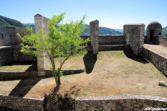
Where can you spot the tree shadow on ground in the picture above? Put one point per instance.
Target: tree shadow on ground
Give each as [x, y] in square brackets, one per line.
[129, 54]
[89, 61]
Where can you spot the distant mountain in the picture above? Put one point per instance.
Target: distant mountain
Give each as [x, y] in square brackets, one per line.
[30, 25]
[8, 22]
[119, 30]
[102, 30]
[164, 32]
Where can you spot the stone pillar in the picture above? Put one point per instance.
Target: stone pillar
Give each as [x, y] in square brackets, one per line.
[94, 34]
[41, 22]
[134, 37]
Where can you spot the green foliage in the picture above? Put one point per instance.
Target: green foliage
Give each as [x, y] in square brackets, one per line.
[62, 40]
[7, 22]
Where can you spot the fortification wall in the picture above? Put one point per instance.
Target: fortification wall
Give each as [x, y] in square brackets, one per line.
[134, 37]
[66, 103]
[21, 104]
[120, 103]
[163, 41]
[6, 53]
[10, 54]
[7, 36]
[157, 60]
[109, 39]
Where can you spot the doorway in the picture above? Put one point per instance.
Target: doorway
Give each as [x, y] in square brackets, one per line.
[151, 35]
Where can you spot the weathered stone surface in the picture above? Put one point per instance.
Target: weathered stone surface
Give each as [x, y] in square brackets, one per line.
[111, 40]
[154, 31]
[163, 83]
[160, 62]
[11, 54]
[21, 104]
[119, 103]
[41, 22]
[56, 102]
[7, 36]
[134, 37]
[94, 34]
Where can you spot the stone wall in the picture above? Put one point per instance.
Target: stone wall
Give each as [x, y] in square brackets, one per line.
[6, 55]
[160, 62]
[41, 22]
[10, 54]
[94, 34]
[134, 37]
[163, 41]
[108, 40]
[7, 36]
[119, 103]
[66, 103]
[19, 57]
[21, 104]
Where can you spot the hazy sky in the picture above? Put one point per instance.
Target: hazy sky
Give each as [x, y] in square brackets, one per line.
[110, 13]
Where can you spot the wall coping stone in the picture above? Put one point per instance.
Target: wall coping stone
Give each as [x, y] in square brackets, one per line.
[139, 97]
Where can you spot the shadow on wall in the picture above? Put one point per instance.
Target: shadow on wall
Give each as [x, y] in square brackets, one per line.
[128, 52]
[89, 61]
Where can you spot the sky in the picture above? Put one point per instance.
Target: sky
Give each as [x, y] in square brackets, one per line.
[110, 13]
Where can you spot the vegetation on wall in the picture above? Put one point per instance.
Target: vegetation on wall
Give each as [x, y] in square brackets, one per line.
[7, 22]
[61, 41]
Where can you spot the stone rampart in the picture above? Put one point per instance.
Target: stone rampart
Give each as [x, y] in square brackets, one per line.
[10, 54]
[134, 37]
[21, 104]
[120, 103]
[160, 62]
[111, 40]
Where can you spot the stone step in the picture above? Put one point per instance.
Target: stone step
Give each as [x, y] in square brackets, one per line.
[111, 47]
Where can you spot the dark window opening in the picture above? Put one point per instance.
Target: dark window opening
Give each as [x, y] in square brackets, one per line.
[160, 33]
[2, 35]
[151, 35]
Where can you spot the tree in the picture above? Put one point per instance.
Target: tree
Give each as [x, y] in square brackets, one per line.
[62, 40]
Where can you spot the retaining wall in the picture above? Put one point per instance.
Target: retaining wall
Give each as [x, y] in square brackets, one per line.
[21, 104]
[119, 103]
[107, 39]
[160, 62]
[66, 103]
[10, 54]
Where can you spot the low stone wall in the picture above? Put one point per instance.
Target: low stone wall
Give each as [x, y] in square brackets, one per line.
[22, 58]
[120, 103]
[160, 62]
[6, 53]
[66, 103]
[108, 40]
[163, 41]
[4, 76]
[21, 104]
[10, 54]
